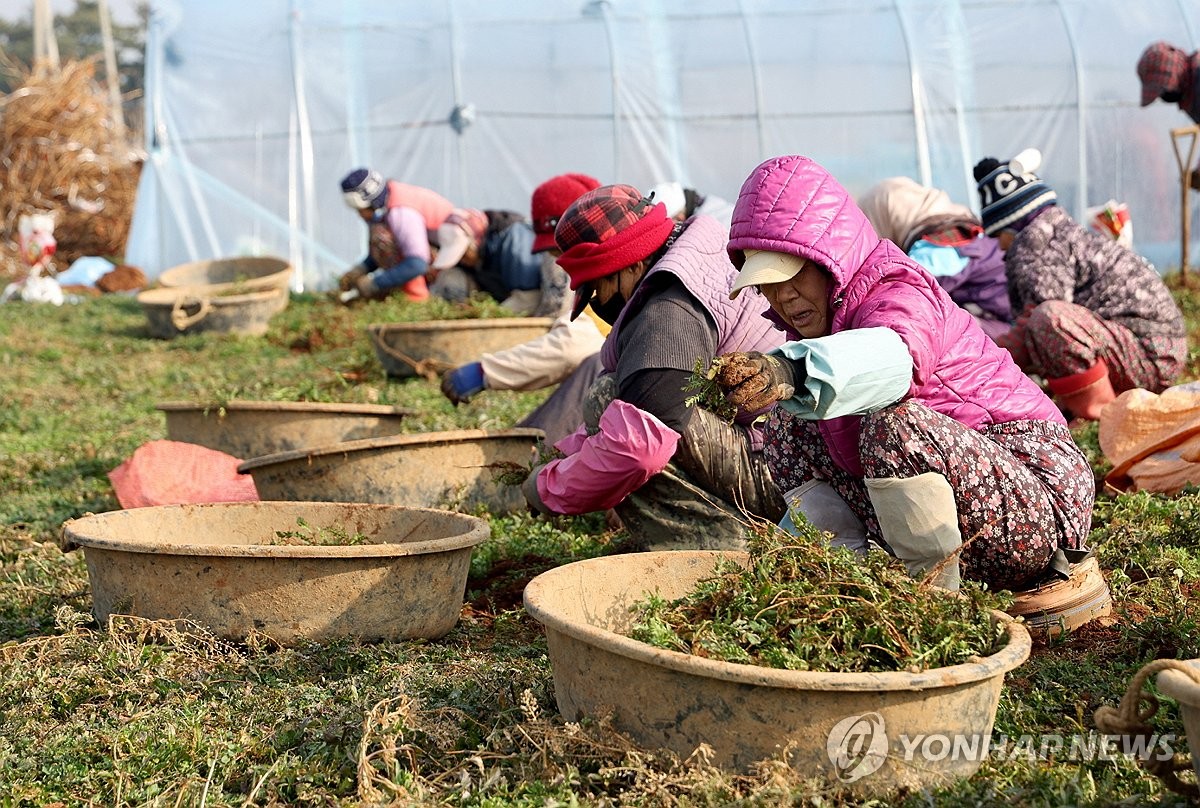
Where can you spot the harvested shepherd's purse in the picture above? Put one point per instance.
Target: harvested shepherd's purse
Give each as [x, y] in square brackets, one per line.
[801, 604]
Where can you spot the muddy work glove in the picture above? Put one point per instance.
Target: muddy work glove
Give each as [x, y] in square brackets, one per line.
[367, 288]
[532, 496]
[460, 384]
[754, 380]
[349, 278]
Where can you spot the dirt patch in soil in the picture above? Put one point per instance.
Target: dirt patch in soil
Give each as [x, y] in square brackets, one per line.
[502, 587]
[1104, 637]
[327, 329]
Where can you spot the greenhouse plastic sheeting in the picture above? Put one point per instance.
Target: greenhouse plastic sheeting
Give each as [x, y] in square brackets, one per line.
[255, 110]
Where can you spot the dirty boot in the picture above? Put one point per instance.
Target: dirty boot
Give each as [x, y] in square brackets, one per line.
[919, 520]
[825, 510]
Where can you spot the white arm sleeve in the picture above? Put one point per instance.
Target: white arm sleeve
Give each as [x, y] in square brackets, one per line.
[849, 373]
[545, 360]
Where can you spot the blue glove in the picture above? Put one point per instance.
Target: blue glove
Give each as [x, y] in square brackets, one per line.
[460, 384]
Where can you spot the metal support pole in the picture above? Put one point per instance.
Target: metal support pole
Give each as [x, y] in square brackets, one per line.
[1185, 184]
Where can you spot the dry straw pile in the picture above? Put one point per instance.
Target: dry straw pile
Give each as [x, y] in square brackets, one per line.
[59, 153]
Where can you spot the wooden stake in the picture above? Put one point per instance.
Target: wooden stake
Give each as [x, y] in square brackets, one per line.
[1185, 184]
[110, 71]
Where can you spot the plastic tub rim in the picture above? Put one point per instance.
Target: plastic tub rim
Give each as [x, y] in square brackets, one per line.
[1014, 652]
[476, 531]
[465, 322]
[392, 441]
[247, 405]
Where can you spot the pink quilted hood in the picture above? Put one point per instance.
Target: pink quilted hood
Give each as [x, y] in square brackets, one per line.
[792, 205]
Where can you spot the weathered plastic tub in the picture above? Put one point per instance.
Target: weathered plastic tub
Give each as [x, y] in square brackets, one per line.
[248, 429]
[1185, 690]
[430, 347]
[213, 565]
[431, 470]
[171, 312]
[748, 713]
[224, 276]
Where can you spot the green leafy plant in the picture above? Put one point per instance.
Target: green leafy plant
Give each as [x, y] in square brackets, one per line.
[477, 307]
[314, 535]
[802, 604]
[706, 393]
[509, 472]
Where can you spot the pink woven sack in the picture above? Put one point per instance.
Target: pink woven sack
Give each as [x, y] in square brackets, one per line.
[168, 472]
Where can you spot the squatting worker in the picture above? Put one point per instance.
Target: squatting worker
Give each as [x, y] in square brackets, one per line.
[401, 222]
[567, 355]
[1169, 73]
[1094, 317]
[487, 251]
[677, 476]
[948, 240]
[898, 419]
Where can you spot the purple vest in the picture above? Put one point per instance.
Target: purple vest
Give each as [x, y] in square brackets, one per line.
[699, 260]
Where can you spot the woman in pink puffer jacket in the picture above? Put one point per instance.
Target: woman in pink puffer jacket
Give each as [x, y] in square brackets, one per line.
[899, 420]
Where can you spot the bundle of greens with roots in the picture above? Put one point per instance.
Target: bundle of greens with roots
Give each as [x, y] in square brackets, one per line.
[802, 604]
[706, 393]
[508, 472]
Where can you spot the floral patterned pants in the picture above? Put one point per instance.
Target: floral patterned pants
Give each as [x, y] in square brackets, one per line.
[1023, 488]
[1063, 339]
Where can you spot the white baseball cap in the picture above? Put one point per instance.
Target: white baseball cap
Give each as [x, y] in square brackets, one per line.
[453, 241]
[763, 266]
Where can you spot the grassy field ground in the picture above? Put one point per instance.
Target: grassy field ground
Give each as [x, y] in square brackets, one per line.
[137, 713]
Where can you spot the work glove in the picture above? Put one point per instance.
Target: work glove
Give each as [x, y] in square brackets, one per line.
[754, 381]
[532, 495]
[368, 289]
[460, 384]
[350, 277]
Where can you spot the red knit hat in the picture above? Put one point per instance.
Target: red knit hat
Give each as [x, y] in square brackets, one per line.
[549, 201]
[607, 229]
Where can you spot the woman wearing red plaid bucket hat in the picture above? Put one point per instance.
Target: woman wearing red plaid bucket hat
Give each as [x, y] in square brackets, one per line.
[1168, 73]
[677, 476]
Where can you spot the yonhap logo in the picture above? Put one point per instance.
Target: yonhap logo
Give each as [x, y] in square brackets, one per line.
[857, 746]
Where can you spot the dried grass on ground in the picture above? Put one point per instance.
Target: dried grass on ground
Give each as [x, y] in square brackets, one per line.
[60, 153]
[131, 712]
